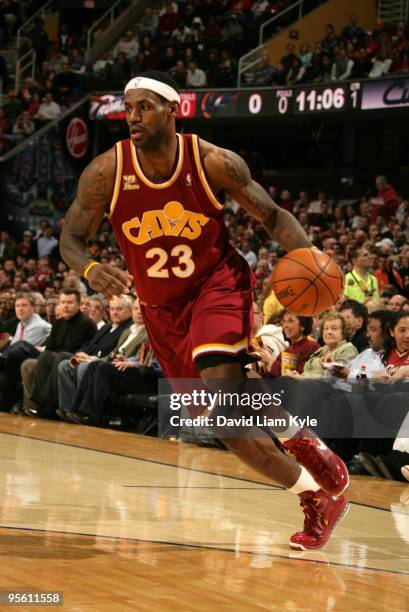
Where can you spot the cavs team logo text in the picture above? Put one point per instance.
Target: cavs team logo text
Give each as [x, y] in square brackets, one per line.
[173, 220]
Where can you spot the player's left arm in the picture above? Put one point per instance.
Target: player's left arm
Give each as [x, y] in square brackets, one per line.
[228, 172]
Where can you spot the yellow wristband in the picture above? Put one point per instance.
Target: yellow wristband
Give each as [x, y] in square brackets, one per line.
[88, 268]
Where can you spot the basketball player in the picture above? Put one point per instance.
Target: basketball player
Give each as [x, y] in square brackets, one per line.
[162, 193]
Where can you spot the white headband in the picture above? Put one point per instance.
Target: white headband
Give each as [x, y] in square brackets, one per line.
[166, 91]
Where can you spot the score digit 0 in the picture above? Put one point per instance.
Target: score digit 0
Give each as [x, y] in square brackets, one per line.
[282, 104]
[255, 103]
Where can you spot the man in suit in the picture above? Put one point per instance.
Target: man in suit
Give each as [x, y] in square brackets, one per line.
[40, 379]
[67, 334]
[85, 400]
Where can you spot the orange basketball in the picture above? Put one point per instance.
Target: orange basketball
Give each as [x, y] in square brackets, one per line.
[307, 281]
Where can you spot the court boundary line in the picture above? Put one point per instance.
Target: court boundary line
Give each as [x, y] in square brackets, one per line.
[272, 486]
[207, 547]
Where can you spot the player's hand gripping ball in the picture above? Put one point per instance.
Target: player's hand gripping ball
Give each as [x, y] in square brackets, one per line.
[307, 281]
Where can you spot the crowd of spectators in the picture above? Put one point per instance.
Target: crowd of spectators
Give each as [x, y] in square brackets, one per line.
[57, 338]
[352, 53]
[199, 44]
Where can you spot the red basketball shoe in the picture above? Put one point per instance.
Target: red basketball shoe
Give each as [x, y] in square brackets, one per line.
[322, 514]
[327, 469]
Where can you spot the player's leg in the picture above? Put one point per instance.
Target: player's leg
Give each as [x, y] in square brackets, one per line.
[322, 511]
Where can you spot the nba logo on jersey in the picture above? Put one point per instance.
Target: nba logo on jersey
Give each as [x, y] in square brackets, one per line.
[130, 182]
[188, 180]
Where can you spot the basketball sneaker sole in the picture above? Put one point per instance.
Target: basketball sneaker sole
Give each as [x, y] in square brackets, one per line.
[341, 517]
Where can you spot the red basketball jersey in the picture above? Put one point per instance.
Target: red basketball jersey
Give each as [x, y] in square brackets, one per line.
[171, 234]
[397, 360]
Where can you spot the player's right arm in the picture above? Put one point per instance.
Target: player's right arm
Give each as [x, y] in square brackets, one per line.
[82, 220]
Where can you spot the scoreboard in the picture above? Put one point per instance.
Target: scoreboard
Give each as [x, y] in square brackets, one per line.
[337, 97]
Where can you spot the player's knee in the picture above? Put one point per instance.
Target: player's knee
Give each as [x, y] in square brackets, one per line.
[231, 372]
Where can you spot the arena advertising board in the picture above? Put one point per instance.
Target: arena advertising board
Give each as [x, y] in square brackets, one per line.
[338, 97]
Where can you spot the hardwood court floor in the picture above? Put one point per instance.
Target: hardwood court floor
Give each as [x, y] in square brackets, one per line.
[122, 522]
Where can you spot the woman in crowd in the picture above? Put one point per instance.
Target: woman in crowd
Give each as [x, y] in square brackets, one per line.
[296, 330]
[335, 333]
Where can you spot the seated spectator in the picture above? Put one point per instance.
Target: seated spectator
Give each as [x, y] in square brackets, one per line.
[362, 65]
[51, 312]
[48, 110]
[97, 310]
[387, 273]
[267, 340]
[342, 67]
[149, 23]
[40, 377]
[85, 304]
[169, 60]
[296, 73]
[296, 331]
[31, 333]
[8, 246]
[356, 315]
[305, 54]
[331, 40]
[31, 327]
[100, 66]
[372, 358]
[227, 68]
[34, 105]
[12, 108]
[47, 243]
[381, 64]
[119, 71]
[396, 303]
[23, 127]
[124, 374]
[264, 75]
[196, 77]
[259, 9]
[44, 273]
[387, 200]
[57, 61]
[179, 73]
[288, 59]
[129, 45]
[359, 284]
[335, 333]
[168, 22]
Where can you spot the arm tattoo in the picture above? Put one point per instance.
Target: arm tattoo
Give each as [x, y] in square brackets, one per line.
[92, 187]
[85, 214]
[236, 168]
[279, 223]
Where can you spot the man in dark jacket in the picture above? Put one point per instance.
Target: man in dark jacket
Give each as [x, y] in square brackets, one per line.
[357, 316]
[68, 333]
[40, 377]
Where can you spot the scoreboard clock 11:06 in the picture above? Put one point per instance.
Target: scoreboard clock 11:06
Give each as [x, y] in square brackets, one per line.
[319, 98]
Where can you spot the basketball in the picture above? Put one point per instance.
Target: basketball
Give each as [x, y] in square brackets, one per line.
[307, 281]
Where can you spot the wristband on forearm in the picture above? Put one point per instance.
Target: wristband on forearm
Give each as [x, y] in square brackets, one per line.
[88, 267]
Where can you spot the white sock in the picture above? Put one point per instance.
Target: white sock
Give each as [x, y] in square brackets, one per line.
[305, 482]
[288, 433]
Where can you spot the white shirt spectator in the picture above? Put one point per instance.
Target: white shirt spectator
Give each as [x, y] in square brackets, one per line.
[49, 110]
[380, 68]
[128, 45]
[196, 77]
[100, 64]
[35, 331]
[250, 257]
[45, 245]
